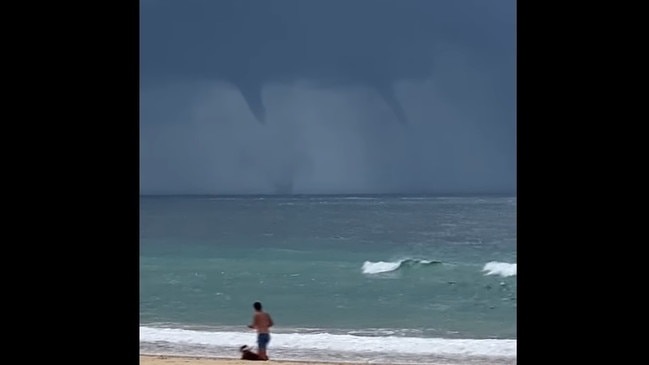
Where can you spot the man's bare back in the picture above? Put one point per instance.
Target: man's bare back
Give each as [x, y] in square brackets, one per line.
[261, 322]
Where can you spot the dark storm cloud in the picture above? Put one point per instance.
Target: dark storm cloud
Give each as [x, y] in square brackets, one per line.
[354, 95]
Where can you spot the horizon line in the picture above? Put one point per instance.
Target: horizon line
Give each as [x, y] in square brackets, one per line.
[440, 194]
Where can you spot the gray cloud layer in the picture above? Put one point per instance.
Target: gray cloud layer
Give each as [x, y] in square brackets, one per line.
[360, 96]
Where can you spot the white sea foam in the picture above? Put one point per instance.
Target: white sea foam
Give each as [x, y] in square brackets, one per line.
[301, 342]
[503, 269]
[370, 267]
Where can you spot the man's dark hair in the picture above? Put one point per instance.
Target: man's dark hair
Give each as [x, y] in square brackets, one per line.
[257, 306]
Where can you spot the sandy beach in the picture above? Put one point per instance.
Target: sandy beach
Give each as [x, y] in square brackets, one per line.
[182, 360]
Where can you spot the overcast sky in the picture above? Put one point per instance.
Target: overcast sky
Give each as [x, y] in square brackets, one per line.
[327, 96]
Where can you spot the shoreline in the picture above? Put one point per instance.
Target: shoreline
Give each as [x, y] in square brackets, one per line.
[149, 359]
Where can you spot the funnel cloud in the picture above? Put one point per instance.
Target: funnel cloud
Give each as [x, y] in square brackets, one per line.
[327, 96]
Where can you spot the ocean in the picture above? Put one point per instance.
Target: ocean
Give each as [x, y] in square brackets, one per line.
[376, 279]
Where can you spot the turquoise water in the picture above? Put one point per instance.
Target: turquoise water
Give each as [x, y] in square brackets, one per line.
[357, 270]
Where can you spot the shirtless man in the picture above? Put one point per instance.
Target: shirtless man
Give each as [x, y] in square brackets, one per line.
[262, 322]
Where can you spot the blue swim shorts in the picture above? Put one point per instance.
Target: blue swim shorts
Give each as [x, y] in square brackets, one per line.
[262, 340]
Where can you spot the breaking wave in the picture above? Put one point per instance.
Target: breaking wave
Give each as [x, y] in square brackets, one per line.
[370, 267]
[503, 269]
